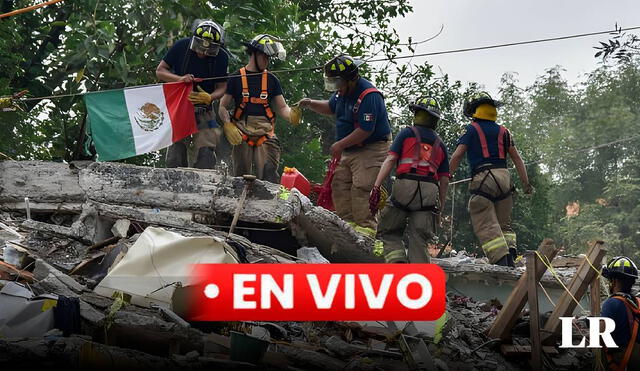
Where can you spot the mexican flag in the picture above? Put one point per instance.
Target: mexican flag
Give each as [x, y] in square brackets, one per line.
[129, 122]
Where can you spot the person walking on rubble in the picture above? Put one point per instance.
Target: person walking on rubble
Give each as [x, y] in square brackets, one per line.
[624, 309]
[420, 188]
[487, 145]
[257, 96]
[363, 137]
[201, 56]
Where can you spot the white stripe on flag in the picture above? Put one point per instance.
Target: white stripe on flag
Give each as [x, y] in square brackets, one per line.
[151, 128]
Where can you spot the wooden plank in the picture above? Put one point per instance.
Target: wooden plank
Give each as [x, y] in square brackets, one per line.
[577, 288]
[594, 293]
[10, 269]
[534, 314]
[510, 312]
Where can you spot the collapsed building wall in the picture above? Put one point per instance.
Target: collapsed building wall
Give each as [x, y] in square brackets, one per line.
[78, 207]
[189, 199]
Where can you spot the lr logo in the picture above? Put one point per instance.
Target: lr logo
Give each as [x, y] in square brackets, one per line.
[594, 333]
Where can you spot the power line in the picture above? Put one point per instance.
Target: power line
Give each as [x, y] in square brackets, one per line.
[508, 44]
[372, 60]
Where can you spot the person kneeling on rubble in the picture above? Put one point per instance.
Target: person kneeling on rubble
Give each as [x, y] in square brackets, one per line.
[487, 145]
[624, 309]
[420, 188]
[257, 94]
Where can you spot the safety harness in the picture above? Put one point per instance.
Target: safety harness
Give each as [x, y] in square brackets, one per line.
[421, 157]
[633, 316]
[356, 106]
[420, 160]
[502, 154]
[261, 99]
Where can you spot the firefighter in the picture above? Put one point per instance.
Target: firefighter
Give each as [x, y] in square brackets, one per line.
[257, 97]
[363, 137]
[487, 146]
[201, 56]
[420, 188]
[624, 309]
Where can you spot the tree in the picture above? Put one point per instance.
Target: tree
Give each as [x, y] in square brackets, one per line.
[74, 47]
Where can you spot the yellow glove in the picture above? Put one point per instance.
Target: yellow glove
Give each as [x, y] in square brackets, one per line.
[200, 97]
[6, 102]
[295, 116]
[232, 133]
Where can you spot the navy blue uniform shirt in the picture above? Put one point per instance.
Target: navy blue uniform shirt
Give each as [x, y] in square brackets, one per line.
[254, 81]
[474, 149]
[183, 60]
[372, 115]
[616, 310]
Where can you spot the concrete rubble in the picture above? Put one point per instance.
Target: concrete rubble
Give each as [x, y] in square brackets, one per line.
[85, 217]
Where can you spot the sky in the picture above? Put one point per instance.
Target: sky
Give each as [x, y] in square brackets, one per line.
[472, 23]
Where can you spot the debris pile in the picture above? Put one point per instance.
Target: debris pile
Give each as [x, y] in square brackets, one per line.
[60, 305]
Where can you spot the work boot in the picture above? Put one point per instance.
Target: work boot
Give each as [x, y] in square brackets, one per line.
[506, 261]
[206, 158]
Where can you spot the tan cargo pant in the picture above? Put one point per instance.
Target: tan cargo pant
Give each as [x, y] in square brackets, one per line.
[353, 180]
[419, 225]
[262, 160]
[492, 220]
[204, 142]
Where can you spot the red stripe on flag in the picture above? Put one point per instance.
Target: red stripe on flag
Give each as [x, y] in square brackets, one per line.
[182, 114]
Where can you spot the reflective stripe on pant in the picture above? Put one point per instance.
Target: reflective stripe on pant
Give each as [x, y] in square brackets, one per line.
[353, 180]
[206, 137]
[262, 161]
[418, 225]
[491, 220]
[510, 237]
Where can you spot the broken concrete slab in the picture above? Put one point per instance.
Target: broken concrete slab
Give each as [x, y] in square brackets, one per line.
[183, 190]
[121, 228]
[311, 255]
[52, 280]
[50, 182]
[346, 350]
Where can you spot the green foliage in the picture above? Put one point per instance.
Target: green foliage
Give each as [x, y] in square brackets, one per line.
[73, 47]
[78, 46]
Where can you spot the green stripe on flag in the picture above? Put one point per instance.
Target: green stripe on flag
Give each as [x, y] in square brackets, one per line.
[110, 125]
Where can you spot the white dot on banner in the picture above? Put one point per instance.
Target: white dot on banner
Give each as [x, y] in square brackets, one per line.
[211, 291]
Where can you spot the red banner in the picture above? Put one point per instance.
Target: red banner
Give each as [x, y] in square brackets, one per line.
[317, 292]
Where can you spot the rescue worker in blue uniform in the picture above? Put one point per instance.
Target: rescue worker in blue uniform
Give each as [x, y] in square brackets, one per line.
[363, 137]
[624, 309]
[487, 146]
[419, 190]
[257, 96]
[201, 56]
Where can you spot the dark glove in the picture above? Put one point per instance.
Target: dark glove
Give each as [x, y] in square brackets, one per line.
[374, 200]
